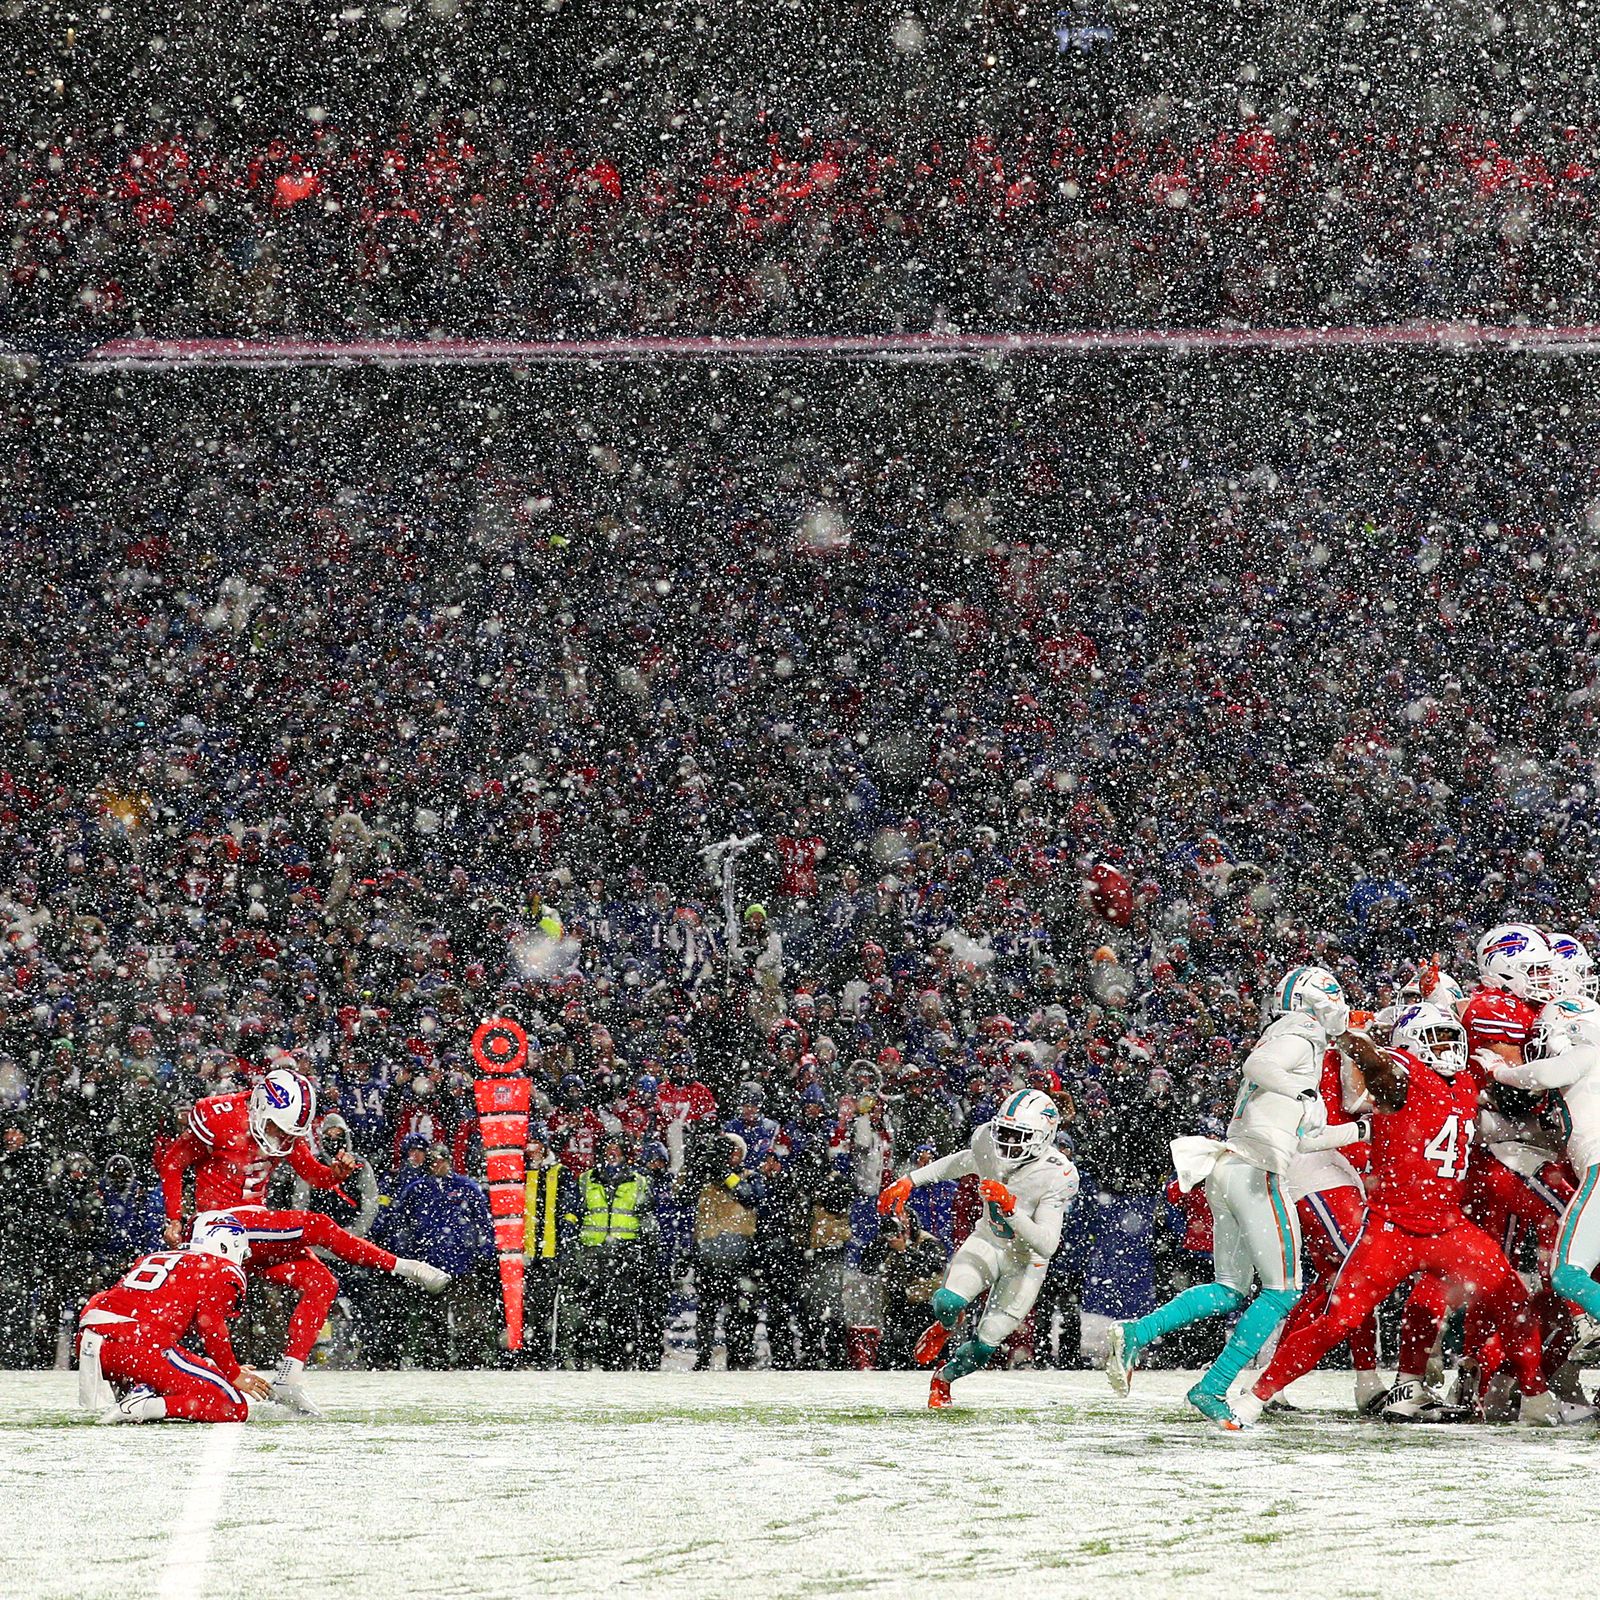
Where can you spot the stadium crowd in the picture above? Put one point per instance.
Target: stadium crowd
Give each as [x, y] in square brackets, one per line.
[328, 734]
[767, 223]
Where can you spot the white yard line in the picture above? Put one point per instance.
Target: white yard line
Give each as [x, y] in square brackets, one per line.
[184, 1575]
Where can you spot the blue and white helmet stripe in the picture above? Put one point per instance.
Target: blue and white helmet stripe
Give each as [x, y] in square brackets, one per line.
[1575, 968]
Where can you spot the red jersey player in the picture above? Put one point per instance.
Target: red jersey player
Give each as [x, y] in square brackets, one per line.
[1425, 1106]
[1518, 973]
[131, 1335]
[234, 1142]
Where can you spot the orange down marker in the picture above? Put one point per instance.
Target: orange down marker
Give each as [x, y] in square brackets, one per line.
[500, 1047]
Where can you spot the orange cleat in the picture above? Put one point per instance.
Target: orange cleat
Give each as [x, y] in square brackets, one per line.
[930, 1346]
[939, 1394]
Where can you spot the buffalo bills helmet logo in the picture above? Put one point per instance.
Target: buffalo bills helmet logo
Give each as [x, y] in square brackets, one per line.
[277, 1095]
[1564, 945]
[1510, 943]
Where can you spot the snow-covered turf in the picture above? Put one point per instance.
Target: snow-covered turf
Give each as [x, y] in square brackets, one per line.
[772, 1484]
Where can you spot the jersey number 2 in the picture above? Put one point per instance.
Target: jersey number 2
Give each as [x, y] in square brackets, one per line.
[153, 1271]
[1450, 1149]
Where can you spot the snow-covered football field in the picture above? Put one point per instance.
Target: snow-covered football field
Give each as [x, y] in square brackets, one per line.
[772, 1484]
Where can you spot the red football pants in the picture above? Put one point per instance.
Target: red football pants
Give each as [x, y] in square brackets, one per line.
[280, 1252]
[1498, 1199]
[1381, 1260]
[1502, 1203]
[193, 1387]
[1329, 1223]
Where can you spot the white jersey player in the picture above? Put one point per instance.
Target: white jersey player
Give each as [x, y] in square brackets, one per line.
[1564, 1055]
[1027, 1187]
[1255, 1227]
[1330, 1200]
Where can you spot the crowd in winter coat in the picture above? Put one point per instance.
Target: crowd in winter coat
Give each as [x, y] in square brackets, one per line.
[776, 225]
[319, 762]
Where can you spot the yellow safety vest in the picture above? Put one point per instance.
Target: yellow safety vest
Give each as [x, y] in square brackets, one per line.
[616, 1222]
[539, 1220]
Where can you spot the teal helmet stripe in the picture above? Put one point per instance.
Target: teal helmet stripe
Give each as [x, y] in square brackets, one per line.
[1288, 992]
[1011, 1110]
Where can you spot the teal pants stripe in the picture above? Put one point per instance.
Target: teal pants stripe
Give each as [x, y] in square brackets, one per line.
[1195, 1304]
[1575, 1213]
[1574, 1260]
[1291, 1262]
[1574, 1284]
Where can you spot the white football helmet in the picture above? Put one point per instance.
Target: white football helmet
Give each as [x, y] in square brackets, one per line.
[220, 1233]
[1316, 992]
[1446, 993]
[1570, 1023]
[282, 1106]
[1575, 973]
[1431, 1035]
[1515, 956]
[1024, 1126]
[1382, 1024]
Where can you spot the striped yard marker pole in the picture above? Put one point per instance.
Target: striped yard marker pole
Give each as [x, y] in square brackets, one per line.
[500, 1047]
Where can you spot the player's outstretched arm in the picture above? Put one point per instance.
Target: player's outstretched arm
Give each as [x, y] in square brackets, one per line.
[184, 1152]
[958, 1164]
[1554, 1072]
[1384, 1077]
[320, 1174]
[1333, 1136]
[216, 1308]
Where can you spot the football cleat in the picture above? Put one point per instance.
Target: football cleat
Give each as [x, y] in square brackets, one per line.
[1586, 1351]
[1246, 1409]
[1371, 1394]
[426, 1276]
[931, 1345]
[140, 1404]
[1119, 1360]
[1277, 1406]
[289, 1390]
[1566, 1383]
[1500, 1398]
[1546, 1411]
[1214, 1407]
[1466, 1393]
[939, 1397]
[1411, 1400]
